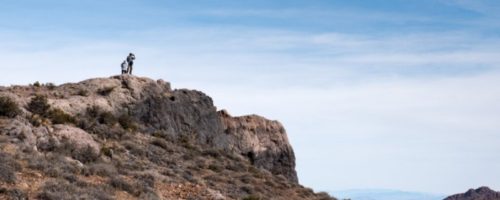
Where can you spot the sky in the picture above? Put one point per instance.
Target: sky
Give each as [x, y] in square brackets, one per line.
[390, 94]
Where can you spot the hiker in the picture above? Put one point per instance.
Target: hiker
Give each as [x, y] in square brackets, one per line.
[124, 67]
[130, 61]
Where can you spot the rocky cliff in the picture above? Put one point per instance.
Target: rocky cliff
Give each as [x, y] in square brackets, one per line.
[127, 137]
[482, 193]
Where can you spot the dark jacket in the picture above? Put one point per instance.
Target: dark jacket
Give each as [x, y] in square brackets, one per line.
[130, 58]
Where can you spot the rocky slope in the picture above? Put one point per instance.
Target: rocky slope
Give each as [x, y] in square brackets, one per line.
[482, 193]
[127, 137]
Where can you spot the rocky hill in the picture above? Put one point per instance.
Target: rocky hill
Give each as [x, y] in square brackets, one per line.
[127, 137]
[482, 193]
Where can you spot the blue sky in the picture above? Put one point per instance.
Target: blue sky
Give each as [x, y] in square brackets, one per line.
[374, 94]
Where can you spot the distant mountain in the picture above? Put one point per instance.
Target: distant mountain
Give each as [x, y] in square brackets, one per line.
[383, 194]
[482, 193]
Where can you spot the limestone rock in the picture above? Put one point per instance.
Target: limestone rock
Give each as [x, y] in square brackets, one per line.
[77, 137]
[159, 110]
[264, 142]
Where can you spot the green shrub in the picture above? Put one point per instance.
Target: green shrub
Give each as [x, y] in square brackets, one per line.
[57, 116]
[50, 86]
[39, 105]
[9, 107]
[37, 84]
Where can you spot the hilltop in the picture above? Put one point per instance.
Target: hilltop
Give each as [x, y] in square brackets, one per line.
[128, 137]
[482, 193]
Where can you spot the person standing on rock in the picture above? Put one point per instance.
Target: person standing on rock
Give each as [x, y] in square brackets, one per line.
[124, 67]
[130, 61]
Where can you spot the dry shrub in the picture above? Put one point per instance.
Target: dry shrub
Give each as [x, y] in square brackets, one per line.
[39, 105]
[121, 184]
[50, 86]
[13, 194]
[82, 92]
[53, 165]
[107, 118]
[127, 122]
[160, 143]
[9, 107]
[85, 155]
[8, 168]
[103, 169]
[251, 197]
[57, 116]
[60, 189]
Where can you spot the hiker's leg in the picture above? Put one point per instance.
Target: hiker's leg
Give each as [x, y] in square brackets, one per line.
[131, 66]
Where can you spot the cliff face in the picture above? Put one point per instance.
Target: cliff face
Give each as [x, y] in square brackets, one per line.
[482, 193]
[262, 141]
[119, 122]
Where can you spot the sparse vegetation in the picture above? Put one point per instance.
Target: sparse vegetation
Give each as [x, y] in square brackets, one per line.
[8, 107]
[37, 84]
[53, 165]
[13, 194]
[82, 92]
[86, 155]
[127, 122]
[62, 189]
[57, 116]
[121, 184]
[215, 167]
[160, 143]
[107, 151]
[94, 111]
[252, 197]
[39, 105]
[8, 168]
[103, 169]
[50, 86]
[107, 118]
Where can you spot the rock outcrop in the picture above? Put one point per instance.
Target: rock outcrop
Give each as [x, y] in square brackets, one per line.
[482, 193]
[264, 142]
[147, 127]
